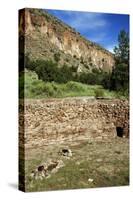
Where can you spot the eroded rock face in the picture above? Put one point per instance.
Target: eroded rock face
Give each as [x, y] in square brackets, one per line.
[59, 120]
[46, 36]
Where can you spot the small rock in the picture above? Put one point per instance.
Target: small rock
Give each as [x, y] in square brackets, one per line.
[90, 180]
[60, 164]
[99, 160]
[32, 174]
[118, 152]
[77, 163]
[40, 168]
[66, 152]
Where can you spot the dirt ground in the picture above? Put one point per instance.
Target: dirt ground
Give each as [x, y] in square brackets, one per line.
[93, 164]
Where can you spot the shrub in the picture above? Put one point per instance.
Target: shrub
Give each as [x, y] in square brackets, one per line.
[57, 57]
[57, 89]
[46, 70]
[88, 78]
[74, 86]
[99, 93]
[65, 74]
[37, 88]
[48, 90]
[49, 71]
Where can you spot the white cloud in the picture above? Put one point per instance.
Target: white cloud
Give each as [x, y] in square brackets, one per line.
[98, 37]
[87, 21]
[110, 48]
[82, 20]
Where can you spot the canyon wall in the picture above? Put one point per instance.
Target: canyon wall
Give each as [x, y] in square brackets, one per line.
[45, 122]
[47, 36]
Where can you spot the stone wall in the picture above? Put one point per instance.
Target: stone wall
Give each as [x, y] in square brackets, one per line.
[59, 120]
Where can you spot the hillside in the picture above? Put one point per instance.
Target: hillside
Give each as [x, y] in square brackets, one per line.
[38, 89]
[48, 38]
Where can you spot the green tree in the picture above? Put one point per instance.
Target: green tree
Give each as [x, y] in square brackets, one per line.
[120, 74]
[122, 50]
[46, 70]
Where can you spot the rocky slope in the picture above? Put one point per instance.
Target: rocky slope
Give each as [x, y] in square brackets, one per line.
[47, 37]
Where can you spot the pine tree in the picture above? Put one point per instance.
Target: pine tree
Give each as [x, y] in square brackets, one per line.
[120, 73]
[122, 50]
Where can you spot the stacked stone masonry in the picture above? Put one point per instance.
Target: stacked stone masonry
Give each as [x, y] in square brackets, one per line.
[45, 122]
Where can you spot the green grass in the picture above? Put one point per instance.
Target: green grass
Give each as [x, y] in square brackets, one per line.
[97, 160]
[35, 88]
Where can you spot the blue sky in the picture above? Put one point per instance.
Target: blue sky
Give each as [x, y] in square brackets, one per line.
[101, 28]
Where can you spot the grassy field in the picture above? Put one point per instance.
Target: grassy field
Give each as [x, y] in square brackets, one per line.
[35, 88]
[104, 162]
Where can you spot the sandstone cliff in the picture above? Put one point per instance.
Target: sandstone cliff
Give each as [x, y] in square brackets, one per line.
[47, 37]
